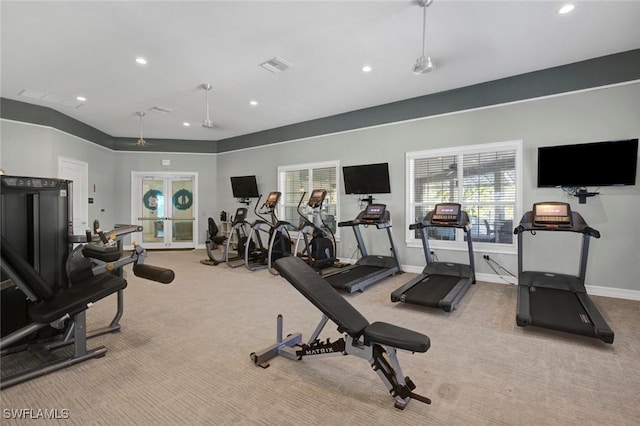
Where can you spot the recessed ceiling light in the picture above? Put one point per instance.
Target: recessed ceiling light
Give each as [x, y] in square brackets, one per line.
[185, 124]
[141, 60]
[253, 103]
[81, 98]
[366, 68]
[566, 9]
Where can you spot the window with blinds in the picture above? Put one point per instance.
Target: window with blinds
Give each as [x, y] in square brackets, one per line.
[294, 181]
[483, 178]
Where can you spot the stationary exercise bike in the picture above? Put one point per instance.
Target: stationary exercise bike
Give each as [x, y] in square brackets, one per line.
[319, 242]
[228, 248]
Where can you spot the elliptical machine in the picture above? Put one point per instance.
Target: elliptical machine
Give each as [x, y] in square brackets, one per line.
[319, 241]
[262, 256]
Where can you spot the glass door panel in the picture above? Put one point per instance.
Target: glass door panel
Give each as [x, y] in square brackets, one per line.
[152, 214]
[182, 211]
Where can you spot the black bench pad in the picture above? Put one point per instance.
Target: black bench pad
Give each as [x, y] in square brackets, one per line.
[398, 337]
[101, 252]
[319, 292]
[76, 298]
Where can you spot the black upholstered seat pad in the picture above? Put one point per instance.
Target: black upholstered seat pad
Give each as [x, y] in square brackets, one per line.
[76, 298]
[398, 337]
[319, 292]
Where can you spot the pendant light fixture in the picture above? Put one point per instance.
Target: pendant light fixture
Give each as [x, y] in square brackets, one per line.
[423, 63]
[141, 141]
[207, 121]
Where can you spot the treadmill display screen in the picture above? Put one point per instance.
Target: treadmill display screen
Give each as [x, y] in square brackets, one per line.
[374, 213]
[446, 213]
[552, 214]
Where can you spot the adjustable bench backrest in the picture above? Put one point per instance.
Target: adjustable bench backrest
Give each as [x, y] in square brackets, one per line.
[319, 292]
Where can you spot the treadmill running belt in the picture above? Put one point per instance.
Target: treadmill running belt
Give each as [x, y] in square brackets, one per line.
[350, 275]
[559, 310]
[431, 290]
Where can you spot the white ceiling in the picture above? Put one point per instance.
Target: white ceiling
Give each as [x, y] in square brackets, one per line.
[88, 48]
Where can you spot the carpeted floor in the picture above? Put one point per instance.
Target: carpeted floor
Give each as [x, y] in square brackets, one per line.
[182, 357]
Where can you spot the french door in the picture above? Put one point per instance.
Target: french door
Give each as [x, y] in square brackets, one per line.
[164, 204]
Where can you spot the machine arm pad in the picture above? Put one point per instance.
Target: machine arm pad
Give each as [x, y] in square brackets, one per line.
[154, 273]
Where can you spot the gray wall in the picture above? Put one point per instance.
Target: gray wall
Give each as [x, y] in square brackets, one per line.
[600, 114]
[595, 115]
[32, 150]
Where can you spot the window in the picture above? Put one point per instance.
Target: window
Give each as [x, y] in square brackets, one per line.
[296, 179]
[484, 179]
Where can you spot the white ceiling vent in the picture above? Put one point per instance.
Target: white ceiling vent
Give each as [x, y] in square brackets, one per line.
[163, 110]
[32, 94]
[276, 65]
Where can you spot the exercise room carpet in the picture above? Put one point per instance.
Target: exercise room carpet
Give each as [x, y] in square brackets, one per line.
[182, 357]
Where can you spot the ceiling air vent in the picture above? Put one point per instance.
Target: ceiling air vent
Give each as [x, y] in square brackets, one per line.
[44, 97]
[276, 65]
[163, 110]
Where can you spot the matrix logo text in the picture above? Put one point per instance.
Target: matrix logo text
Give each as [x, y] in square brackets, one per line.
[33, 414]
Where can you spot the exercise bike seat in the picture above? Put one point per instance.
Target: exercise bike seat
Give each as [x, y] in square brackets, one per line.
[348, 319]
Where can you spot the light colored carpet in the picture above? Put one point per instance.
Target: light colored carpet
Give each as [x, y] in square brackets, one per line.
[182, 357]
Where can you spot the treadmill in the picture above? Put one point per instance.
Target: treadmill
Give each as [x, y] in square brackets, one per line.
[369, 269]
[441, 284]
[552, 300]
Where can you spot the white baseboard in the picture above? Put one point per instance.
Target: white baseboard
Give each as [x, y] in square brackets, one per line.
[618, 293]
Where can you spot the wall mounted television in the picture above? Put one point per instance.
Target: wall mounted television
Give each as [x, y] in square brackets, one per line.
[244, 187]
[367, 179]
[606, 163]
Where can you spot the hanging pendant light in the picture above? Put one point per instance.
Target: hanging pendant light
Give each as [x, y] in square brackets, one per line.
[141, 141]
[423, 63]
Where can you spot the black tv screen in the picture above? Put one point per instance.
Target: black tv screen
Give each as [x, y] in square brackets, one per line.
[244, 187]
[588, 164]
[367, 179]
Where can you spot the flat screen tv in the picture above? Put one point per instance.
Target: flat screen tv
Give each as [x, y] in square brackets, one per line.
[244, 187]
[367, 179]
[589, 164]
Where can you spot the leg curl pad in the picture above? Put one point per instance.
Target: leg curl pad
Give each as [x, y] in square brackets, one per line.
[154, 273]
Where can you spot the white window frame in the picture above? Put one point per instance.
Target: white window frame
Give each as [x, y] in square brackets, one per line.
[459, 243]
[309, 167]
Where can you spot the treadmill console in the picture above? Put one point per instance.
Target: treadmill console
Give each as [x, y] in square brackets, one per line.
[272, 200]
[552, 214]
[374, 213]
[317, 198]
[447, 213]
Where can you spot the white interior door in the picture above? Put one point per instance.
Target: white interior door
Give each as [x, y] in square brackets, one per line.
[78, 172]
[164, 204]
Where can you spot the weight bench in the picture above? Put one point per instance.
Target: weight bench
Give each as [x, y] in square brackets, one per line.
[377, 342]
[54, 309]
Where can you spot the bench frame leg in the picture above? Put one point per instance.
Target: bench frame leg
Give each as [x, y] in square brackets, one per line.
[382, 358]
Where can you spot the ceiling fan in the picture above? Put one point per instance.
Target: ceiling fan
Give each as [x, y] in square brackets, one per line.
[207, 120]
[423, 63]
